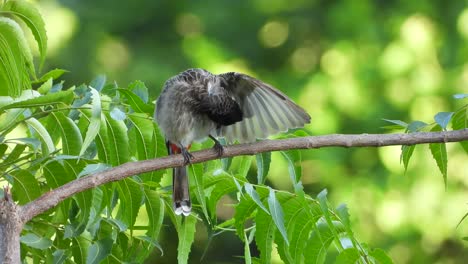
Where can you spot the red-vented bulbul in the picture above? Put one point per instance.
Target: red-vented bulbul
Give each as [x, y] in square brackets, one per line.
[197, 104]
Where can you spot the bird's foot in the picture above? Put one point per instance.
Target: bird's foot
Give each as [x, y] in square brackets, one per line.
[218, 147]
[187, 156]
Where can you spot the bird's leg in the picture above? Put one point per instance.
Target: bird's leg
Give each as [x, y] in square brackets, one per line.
[187, 155]
[217, 146]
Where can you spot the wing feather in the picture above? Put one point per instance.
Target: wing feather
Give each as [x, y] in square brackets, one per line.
[266, 110]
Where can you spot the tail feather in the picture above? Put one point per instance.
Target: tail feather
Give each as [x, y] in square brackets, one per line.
[180, 191]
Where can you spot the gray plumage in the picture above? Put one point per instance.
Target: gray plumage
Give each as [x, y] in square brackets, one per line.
[196, 104]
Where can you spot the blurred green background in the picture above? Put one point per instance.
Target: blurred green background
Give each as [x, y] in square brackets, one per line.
[348, 63]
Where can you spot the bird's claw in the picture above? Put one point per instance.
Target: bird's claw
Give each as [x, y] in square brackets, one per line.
[218, 148]
[187, 156]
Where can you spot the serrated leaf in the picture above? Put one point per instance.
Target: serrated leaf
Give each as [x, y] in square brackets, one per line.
[16, 61]
[186, 233]
[25, 186]
[264, 236]
[117, 112]
[399, 123]
[70, 134]
[118, 147]
[247, 255]
[34, 241]
[196, 175]
[348, 256]
[155, 209]
[406, 153]
[33, 19]
[95, 121]
[60, 256]
[243, 211]
[130, 195]
[223, 184]
[92, 169]
[137, 104]
[99, 251]
[64, 97]
[45, 87]
[342, 212]
[460, 96]
[254, 195]
[263, 166]
[416, 126]
[50, 75]
[293, 157]
[460, 121]
[276, 212]
[380, 256]
[323, 201]
[439, 153]
[319, 242]
[80, 247]
[139, 88]
[98, 82]
[443, 118]
[47, 143]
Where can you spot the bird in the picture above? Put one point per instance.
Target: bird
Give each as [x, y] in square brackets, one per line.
[196, 104]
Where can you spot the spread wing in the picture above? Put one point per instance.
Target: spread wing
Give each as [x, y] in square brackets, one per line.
[266, 110]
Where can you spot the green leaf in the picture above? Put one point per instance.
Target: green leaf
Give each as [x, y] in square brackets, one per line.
[80, 247]
[62, 97]
[118, 148]
[196, 173]
[416, 126]
[53, 74]
[319, 242]
[16, 61]
[460, 96]
[136, 102]
[277, 214]
[460, 121]
[300, 220]
[380, 256]
[264, 235]
[252, 193]
[348, 256]
[95, 121]
[293, 157]
[99, 251]
[33, 19]
[45, 87]
[247, 255]
[223, 184]
[60, 256]
[155, 209]
[186, 233]
[399, 123]
[406, 153]
[98, 82]
[48, 145]
[443, 118]
[243, 211]
[139, 88]
[70, 134]
[322, 197]
[35, 241]
[263, 166]
[131, 196]
[439, 153]
[25, 186]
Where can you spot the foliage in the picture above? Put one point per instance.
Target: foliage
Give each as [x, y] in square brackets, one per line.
[51, 135]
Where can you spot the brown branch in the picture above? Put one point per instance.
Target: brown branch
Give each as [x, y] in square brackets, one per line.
[52, 198]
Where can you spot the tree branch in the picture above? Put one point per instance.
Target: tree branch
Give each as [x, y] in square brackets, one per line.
[52, 198]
